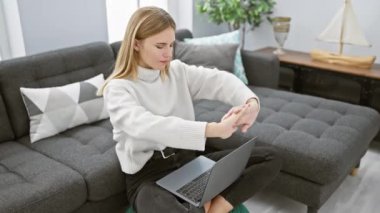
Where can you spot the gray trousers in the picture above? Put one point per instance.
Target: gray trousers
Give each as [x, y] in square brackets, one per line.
[147, 197]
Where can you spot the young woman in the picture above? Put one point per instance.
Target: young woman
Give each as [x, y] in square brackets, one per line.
[149, 99]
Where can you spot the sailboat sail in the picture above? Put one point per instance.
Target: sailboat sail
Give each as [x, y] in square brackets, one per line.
[344, 28]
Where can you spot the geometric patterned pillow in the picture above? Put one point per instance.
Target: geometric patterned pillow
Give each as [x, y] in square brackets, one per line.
[225, 38]
[56, 109]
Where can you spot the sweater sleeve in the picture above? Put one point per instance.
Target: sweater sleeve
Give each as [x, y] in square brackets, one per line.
[127, 115]
[205, 83]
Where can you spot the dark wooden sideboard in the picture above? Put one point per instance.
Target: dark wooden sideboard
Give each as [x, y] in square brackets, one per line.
[302, 64]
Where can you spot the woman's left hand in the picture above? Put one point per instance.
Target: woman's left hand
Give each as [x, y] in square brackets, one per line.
[249, 116]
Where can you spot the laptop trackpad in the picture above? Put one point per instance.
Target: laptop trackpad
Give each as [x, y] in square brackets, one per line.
[186, 173]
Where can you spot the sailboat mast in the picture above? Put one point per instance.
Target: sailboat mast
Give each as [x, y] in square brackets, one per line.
[342, 28]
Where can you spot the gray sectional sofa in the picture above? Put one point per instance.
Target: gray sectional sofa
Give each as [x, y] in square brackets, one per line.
[77, 170]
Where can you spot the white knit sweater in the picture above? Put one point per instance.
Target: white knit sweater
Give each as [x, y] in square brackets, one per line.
[150, 114]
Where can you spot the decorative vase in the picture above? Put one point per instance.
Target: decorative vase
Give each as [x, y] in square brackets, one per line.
[281, 27]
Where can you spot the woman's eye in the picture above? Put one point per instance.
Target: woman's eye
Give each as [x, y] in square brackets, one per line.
[160, 47]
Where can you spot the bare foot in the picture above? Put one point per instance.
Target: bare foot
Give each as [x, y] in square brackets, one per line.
[220, 205]
[207, 206]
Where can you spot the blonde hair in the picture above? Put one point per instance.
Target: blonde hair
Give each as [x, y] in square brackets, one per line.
[145, 22]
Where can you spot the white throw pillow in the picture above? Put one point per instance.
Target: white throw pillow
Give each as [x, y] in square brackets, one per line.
[56, 109]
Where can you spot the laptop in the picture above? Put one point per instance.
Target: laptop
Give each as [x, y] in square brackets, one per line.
[202, 179]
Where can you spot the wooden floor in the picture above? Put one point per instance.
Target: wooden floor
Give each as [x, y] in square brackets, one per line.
[359, 194]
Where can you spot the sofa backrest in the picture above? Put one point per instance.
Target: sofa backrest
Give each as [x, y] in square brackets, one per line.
[180, 35]
[54, 68]
[115, 48]
[6, 132]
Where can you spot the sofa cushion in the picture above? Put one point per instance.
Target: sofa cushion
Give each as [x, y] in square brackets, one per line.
[318, 139]
[225, 38]
[6, 132]
[55, 109]
[221, 56]
[32, 182]
[54, 68]
[90, 150]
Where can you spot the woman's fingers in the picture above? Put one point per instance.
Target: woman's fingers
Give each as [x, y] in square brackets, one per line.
[241, 112]
[229, 123]
[233, 110]
[232, 119]
[245, 128]
[239, 116]
[228, 114]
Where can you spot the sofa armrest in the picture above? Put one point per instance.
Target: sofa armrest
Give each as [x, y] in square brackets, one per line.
[261, 69]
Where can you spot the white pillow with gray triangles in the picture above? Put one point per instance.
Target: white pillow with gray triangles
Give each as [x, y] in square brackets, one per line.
[56, 109]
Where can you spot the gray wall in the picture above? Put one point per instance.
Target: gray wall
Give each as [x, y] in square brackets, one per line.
[309, 18]
[53, 24]
[203, 27]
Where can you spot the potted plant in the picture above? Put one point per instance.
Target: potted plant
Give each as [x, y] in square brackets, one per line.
[236, 13]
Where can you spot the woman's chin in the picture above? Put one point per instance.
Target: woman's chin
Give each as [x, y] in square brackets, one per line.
[161, 66]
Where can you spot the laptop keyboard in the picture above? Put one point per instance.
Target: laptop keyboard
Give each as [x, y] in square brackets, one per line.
[195, 188]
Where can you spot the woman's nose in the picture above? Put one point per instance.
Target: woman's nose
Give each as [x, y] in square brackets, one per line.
[168, 52]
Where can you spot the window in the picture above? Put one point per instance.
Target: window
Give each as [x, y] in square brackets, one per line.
[159, 3]
[3, 34]
[11, 38]
[119, 12]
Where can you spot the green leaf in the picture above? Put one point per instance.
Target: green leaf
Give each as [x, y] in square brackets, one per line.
[234, 12]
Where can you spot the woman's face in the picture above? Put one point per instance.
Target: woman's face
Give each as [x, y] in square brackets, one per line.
[156, 51]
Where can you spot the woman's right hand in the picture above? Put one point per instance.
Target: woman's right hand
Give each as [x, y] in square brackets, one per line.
[225, 128]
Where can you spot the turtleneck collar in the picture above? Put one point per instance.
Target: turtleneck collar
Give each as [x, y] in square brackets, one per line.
[148, 75]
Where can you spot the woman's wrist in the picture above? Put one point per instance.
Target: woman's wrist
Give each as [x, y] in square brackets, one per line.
[254, 103]
[252, 100]
[212, 130]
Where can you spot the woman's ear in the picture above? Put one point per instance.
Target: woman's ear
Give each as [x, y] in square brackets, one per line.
[136, 45]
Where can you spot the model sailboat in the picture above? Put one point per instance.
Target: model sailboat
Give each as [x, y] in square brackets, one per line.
[344, 29]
